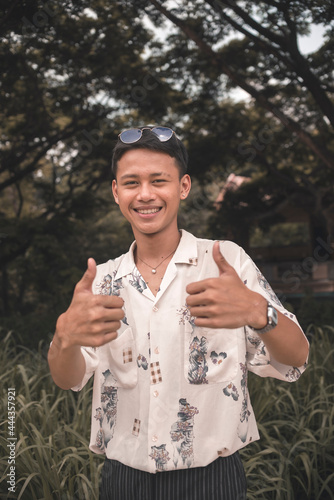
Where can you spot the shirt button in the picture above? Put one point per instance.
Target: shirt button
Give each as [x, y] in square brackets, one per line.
[155, 394]
[155, 309]
[154, 438]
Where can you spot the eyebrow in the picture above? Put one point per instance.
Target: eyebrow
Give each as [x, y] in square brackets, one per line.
[135, 176]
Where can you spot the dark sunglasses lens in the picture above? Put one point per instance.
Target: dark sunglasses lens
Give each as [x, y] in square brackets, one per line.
[130, 136]
[163, 133]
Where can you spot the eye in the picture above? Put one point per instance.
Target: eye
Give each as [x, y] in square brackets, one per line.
[130, 183]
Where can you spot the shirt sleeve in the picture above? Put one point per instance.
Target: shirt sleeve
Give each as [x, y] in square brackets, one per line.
[91, 361]
[258, 357]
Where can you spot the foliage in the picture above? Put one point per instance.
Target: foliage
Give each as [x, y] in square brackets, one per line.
[75, 73]
[283, 139]
[311, 309]
[294, 458]
[53, 460]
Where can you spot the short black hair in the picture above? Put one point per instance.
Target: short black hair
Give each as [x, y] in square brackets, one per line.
[174, 147]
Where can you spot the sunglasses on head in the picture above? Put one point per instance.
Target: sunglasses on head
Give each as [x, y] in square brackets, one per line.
[134, 134]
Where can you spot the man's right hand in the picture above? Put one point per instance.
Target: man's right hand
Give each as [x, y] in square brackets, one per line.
[91, 320]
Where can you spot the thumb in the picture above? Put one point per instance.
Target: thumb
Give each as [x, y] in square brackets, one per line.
[86, 282]
[219, 259]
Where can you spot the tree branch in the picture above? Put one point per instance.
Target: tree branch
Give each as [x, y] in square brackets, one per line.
[288, 122]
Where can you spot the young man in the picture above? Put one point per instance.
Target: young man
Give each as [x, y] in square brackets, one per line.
[169, 331]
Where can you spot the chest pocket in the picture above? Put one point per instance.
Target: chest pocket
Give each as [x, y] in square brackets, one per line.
[121, 360]
[211, 356]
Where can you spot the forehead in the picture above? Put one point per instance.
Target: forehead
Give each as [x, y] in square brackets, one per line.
[145, 161]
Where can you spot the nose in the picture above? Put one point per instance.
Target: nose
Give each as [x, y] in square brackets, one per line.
[146, 192]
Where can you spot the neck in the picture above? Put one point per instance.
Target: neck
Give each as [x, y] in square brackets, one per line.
[153, 247]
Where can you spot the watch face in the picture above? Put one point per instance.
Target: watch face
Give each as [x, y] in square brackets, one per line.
[272, 315]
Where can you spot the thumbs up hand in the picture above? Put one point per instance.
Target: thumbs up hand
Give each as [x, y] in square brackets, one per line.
[91, 320]
[225, 302]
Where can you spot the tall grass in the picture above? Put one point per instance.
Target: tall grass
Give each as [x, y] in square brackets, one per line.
[295, 457]
[293, 460]
[52, 429]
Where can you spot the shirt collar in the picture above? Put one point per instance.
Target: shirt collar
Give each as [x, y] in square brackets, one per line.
[186, 253]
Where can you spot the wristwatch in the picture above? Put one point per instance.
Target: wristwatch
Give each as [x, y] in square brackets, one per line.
[272, 320]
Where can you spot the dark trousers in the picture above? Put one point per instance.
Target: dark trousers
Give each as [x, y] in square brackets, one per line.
[223, 479]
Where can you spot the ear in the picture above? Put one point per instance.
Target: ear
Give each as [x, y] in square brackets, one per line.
[115, 191]
[185, 185]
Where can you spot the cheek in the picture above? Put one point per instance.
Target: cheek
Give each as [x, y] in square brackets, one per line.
[125, 211]
[122, 203]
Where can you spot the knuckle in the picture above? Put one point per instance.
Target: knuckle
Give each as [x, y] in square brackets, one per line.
[95, 329]
[91, 315]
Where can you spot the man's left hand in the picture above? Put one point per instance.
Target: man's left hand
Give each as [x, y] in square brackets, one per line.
[225, 301]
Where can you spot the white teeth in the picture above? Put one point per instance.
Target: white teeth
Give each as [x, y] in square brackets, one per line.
[151, 211]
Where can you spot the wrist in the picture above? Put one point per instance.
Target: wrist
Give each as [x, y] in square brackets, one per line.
[270, 323]
[257, 317]
[61, 338]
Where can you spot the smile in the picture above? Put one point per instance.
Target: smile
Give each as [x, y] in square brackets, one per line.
[148, 211]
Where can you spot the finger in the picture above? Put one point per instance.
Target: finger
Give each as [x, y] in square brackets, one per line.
[198, 286]
[206, 322]
[197, 299]
[108, 337]
[111, 314]
[86, 282]
[99, 314]
[110, 301]
[110, 326]
[101, 339]
[200, 312]
[102, 327]
[219, 259]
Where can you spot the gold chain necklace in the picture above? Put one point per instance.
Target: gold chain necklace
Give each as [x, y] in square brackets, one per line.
[154, 269]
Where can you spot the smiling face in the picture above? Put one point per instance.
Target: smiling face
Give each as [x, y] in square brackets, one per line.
[148, 190]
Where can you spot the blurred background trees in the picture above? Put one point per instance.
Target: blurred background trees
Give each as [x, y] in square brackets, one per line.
[73, 74]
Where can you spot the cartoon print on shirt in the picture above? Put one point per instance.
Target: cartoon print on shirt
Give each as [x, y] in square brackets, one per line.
[161, 457]
[182, 434]
[142, 362]
[137, 281]
[231, 390]
[149, 344]
[110, 286]
[244, 414]
[198, 349]
[185, 316]
[259, 344]
[265, 285]
[217, 359]
[106, 414]
[198, 366]
[293, 374]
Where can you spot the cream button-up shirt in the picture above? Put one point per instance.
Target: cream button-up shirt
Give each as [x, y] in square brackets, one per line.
[168, 394]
